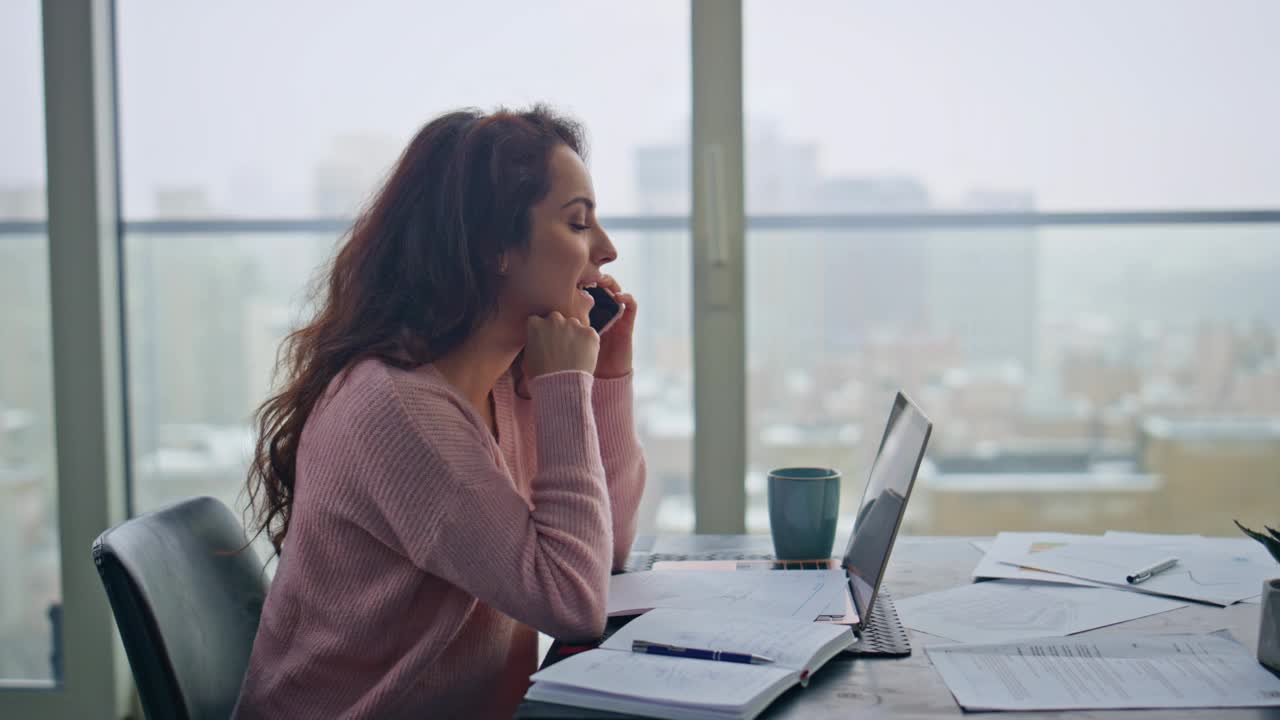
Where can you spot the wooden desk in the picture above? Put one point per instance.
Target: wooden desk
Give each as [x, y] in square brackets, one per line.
[870, 689]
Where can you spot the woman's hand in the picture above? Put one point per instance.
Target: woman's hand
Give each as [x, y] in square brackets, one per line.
[557, 343]
[615, 343]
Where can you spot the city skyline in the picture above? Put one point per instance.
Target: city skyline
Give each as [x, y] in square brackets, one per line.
[667, 316]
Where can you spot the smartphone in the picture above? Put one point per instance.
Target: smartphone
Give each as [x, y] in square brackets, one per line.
[605, 311]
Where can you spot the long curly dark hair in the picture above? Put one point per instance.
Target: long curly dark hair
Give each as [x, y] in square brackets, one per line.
[417, 274]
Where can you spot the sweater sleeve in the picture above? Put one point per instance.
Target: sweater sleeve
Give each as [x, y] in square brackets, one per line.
[624, 466]
[459, 516]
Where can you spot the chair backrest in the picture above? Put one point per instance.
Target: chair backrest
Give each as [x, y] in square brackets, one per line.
[187, 603]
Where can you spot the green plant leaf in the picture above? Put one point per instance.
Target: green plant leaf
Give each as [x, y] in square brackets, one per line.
[1272, 544]
[1273, 532]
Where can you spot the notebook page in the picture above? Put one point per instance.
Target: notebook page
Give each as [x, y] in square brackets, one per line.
[665, 680]
[790, 643]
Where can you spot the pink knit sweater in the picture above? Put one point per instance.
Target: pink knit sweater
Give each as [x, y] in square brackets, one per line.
[422, 552]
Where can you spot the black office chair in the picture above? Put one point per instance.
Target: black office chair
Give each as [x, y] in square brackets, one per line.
[187, 604]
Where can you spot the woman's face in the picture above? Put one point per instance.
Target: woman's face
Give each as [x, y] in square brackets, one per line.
[567, 246]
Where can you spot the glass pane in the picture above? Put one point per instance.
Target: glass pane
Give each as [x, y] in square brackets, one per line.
[989, 105]
[657, 266]
[224, 114]
[305, 125]
[208, 311]
[30, 592]
[206, 314]
[1080, 379]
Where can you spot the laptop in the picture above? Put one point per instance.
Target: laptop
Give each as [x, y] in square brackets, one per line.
[893, 474]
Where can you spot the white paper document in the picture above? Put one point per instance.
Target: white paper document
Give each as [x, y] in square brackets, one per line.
[1004, 610]
[1019, 544]
[1227, 546]
[1215, 570]
[1106, 672]
[801, 594]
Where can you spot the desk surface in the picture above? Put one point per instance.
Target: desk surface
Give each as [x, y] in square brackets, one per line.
[869, 689]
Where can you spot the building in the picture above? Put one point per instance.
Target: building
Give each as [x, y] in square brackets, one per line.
[979, 503]
[22, 202]
[186, 338]
[1213, 470]
[29, 564]
[982, 288]
[28, 500]
[660, 262]
[349, 175]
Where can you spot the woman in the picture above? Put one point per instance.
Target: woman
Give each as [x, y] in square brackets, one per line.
[452, 463]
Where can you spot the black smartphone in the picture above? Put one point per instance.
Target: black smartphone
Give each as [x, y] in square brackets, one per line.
[605, 309]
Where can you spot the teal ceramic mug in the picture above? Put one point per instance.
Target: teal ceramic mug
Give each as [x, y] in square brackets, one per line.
[804, 504]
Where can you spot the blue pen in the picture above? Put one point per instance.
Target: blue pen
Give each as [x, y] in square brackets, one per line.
[653, 648]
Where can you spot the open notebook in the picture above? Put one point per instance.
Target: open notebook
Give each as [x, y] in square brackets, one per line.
[614, 678]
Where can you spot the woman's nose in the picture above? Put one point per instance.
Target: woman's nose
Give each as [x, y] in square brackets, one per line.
[603, 251]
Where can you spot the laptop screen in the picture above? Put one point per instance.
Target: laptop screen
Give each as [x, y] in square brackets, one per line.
[893, 472]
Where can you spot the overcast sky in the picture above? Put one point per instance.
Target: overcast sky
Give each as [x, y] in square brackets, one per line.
[1097, 104]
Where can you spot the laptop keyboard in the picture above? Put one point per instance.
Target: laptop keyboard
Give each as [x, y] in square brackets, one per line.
[785, 565]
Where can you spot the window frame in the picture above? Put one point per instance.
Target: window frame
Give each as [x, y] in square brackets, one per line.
[85, 317]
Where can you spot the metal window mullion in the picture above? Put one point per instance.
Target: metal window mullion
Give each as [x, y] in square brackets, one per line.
[719, 328]
[791, 221]
[79, 70]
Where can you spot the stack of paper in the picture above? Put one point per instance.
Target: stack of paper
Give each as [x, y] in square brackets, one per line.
[1108, 672]
[1220, 571]
[1017, 543]
[1042, 586]
[1058, 584]
[1004, 610]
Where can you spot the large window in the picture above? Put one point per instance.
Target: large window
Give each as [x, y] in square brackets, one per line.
[292, 113]
[1055, 224]
[991, 105]
[988, 205]
[30, 591]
